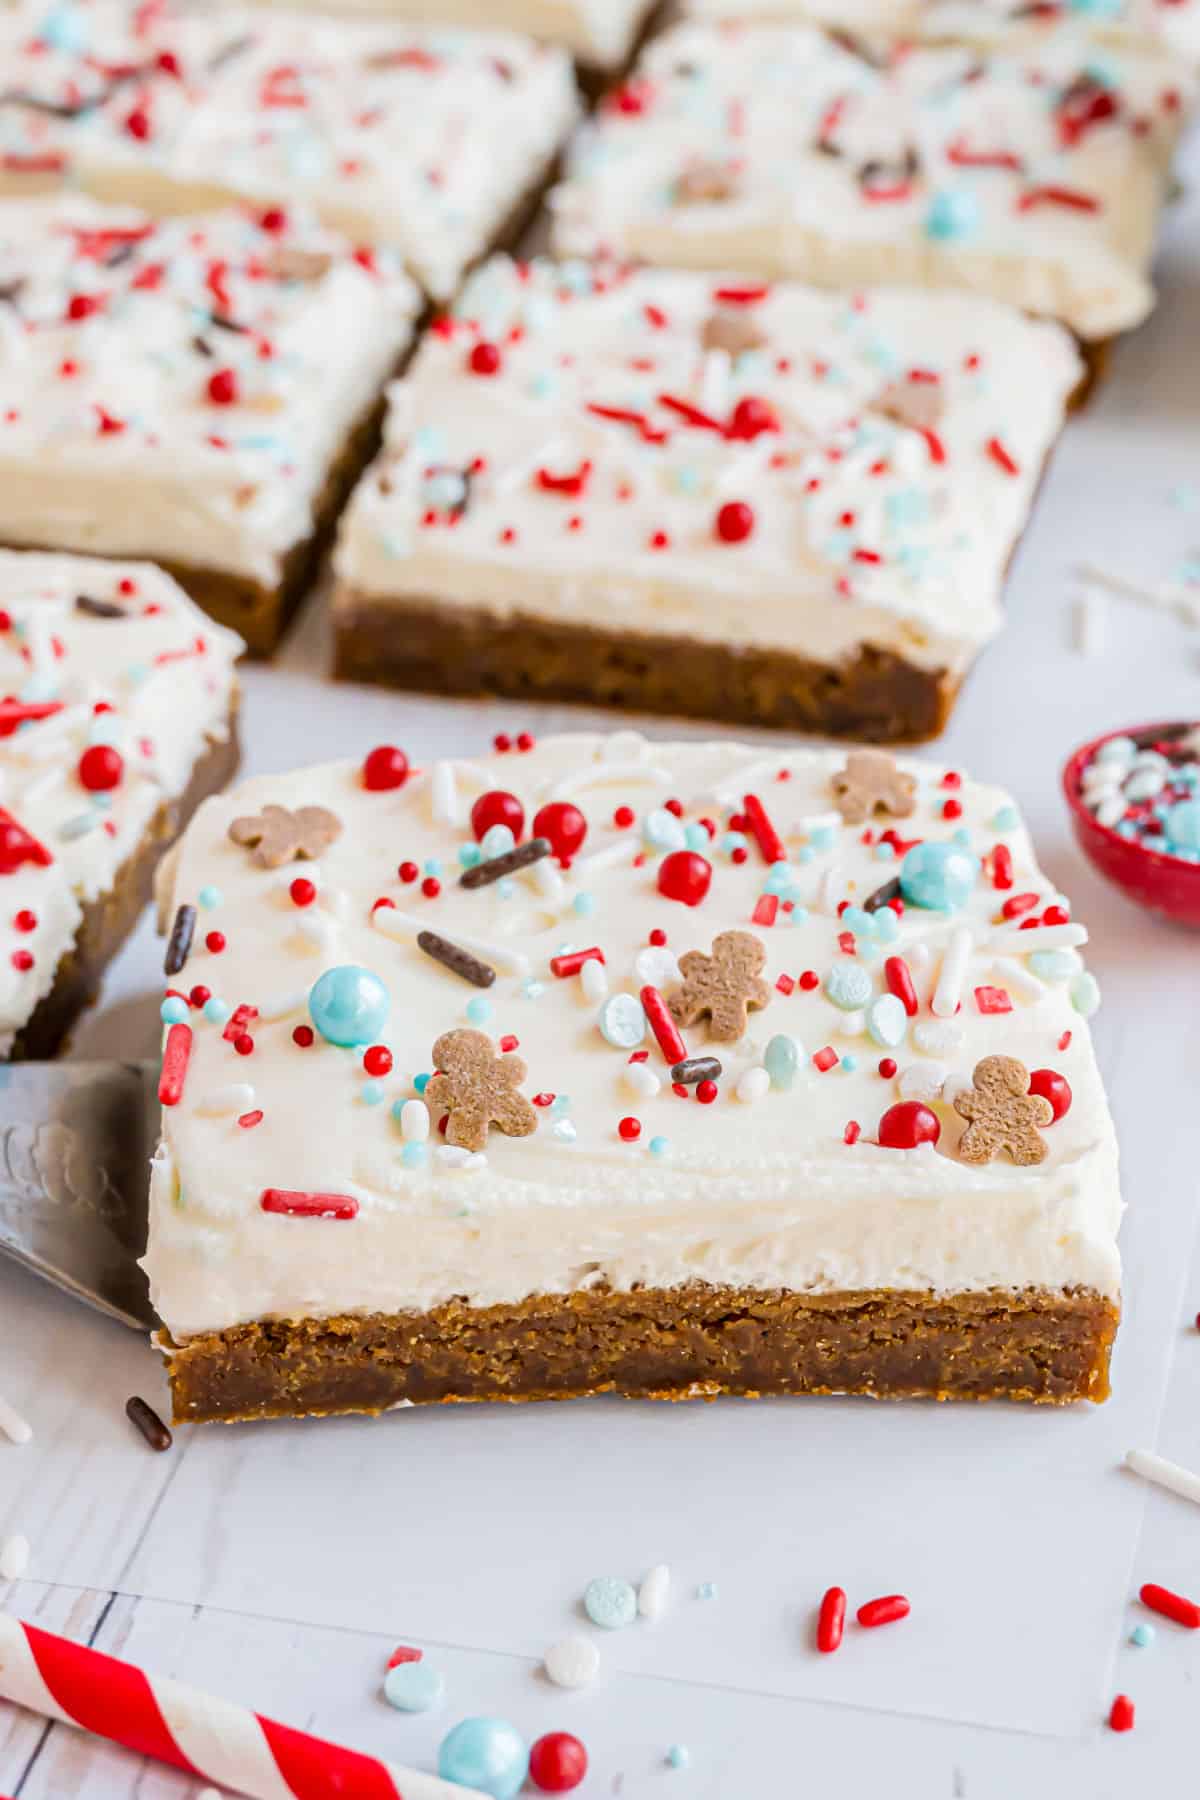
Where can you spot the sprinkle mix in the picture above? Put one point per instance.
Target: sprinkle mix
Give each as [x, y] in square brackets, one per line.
[1149, 792]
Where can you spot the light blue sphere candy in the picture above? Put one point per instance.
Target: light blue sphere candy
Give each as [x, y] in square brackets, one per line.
[663, 831]
[349, 1006]
[781, 1060]
[1183, 824]
[1085, 994]
[413, 1687]
[611, 1602]
[938, 876]
[488, 1754]
[1055, 965]
[173, 1011]
[848, 985]
[953, 213]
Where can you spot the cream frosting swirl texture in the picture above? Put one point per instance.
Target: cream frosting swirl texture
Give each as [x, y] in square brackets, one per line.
[1036, 176]
[92, 655]
[766, 1186]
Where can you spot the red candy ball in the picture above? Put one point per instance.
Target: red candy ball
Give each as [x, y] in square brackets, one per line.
[377, 1060]
[558, 1762]
[223, 387]
[101, 768]
[908, 1124]
[684, 876]
[563, 824]
[385, 767]
[485, 359]
[497, 808]
[303, 891]
[1052, 1087]
[735, 522]
[630, 1130]
[751, 417]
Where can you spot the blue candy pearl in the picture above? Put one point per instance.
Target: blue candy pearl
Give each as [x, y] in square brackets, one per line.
[209, 897]
[1183, 824]
[487, 1754]
[953, 213]
[173, 1011]
[938, 876]
[349, 1006]
[479, 1010]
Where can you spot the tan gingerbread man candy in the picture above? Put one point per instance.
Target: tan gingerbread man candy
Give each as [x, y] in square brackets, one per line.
[1002, 1114]
[478, 1089]
[723, 986]
[871, 786]
[277, 835]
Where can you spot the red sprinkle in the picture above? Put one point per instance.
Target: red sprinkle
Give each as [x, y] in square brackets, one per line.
[404, 1653]
[302, 891]
[1120, 1717]
[571, 961]
[1016, 904]
[887, 1067]
[1058, 196]
[825, 1059]
[706, 1092]
[1171, 1606]
[1002, 867]
[176, 1056]
[900, 982]
[831, 1620]
[766, 909]
[809, 980]
[630, 1130]
[215, 942]
[786, 985]
[249, 1120]
[377, 1060]
[884, 1611]
[308, 1206]
[763, 831]
[993, 1000]
[1001, 457]
[663, 1026]
[303, 1036]
[852, 1132]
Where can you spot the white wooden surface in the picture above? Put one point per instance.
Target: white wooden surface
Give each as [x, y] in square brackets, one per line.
[1031, 700]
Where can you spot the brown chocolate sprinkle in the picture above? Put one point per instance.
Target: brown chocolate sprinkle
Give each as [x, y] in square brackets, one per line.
[223, 322]
[180, 941]
[723, 986]
[140, 1413]
[11, 291]
[99, 609]
[883, 896]
[496, 867]
[456, 959]
[277, 835]
[695, 1069]
[1002, 1114]
[228, 52]
[478, 1089]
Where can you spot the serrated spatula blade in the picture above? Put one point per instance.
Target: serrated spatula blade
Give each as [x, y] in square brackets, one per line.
[75, 1146]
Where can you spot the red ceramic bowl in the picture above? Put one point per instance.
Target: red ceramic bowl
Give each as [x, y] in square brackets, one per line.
[1161, 883]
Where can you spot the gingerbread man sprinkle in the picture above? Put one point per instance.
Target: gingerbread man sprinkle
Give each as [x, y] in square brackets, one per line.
[278, 836]
[478, 1089]
[1002, 1114]
[723, 986]
[871, 786]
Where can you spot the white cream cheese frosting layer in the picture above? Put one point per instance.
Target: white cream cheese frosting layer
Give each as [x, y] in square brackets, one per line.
[1036, 177]
[571, 482]
[765, 1192]
[114, 654]
[1172, 25]
[600, 33]
[180, 390]
[428, 140]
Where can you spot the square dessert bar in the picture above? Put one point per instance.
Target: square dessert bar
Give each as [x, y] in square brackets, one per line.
[1036, 177]
[1170, 25]
[203, 392]
[697, 495]
[600, 34]
[436, 142]
[118, 716]
[607, 1065]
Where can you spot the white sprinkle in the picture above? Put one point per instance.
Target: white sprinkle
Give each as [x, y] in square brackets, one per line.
[282, 1005]
[918, 956]
[547, 878]
[1017, 978]
[318, 930]
[16, 1429]
[810, 822]
[652, 1594]
[641, 1080]
[238, 1097]
[414, 1121]
[593, 979]
[400, 925]
[656, 966]
[937, 1037]
[1165, 597]
[714, 382]
[921, 1081]
[1091, 625]
[1111, 810]
[1043, 937]
[14, 1557]
[623, 850]
[600, 774]
[454, 1156]
[1172, 1476]
[445, 794]
[947, 995]
[753, 1085]
[572, 1663]
[852, 1024]
[743, 781]
[829, 890]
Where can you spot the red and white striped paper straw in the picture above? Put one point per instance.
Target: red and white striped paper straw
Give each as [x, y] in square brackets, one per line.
[208, 1738]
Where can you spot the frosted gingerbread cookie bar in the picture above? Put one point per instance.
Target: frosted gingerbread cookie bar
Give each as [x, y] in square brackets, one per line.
[693, 494]
[119, 716]
[606, 1065]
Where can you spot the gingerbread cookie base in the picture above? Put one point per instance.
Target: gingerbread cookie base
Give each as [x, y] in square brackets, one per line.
[109, 919]
[694, 1342]
[875, 695]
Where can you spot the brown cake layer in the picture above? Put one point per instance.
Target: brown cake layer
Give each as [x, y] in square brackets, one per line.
[696, 1341]
[449, 649]
[109, 919]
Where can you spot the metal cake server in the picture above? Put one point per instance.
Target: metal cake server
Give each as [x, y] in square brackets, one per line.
[75, 1146]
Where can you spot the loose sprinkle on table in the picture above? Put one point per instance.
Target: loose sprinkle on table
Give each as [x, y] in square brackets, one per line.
[141, 1414]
